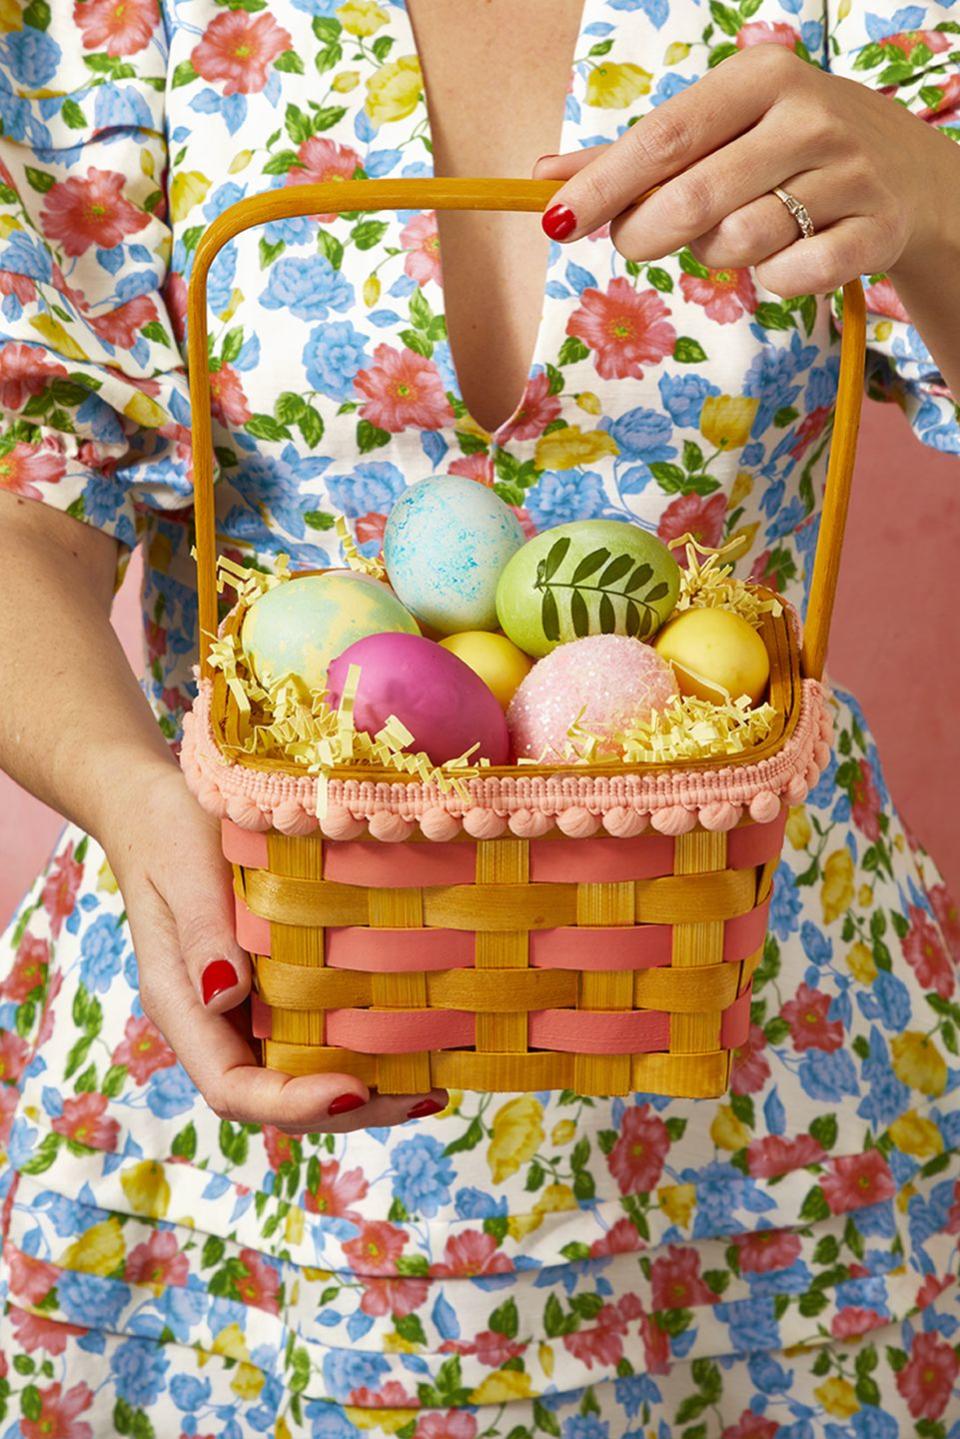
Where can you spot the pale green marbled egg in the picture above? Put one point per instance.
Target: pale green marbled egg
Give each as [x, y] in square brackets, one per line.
[299, 626]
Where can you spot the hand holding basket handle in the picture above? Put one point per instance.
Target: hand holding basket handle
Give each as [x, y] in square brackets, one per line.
[391, 966]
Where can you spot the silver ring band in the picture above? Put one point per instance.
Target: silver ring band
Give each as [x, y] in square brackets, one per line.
[799, 212]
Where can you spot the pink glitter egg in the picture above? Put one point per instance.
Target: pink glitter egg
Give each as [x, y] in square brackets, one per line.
[445, 706]
[614, 680]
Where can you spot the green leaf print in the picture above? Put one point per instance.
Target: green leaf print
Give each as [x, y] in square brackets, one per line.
[369, 437]
[43, 1156]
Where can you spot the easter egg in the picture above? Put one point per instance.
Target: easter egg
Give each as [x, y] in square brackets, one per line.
[445, 543]
[494, 658]
[715, 654]
[614, 680]
[297, 627]
[445, 706]
[586, 578]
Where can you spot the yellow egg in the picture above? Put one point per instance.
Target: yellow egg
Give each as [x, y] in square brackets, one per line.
[715, 654]
[494, 658]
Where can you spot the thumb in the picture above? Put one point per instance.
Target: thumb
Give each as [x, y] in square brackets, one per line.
[202, 905]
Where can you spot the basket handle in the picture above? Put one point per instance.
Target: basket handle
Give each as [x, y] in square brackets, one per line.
[460, 194]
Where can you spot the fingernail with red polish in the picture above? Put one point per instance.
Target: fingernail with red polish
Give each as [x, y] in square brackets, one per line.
[559, 222]
[218, 976]
[424, 1108]
[344, 1103]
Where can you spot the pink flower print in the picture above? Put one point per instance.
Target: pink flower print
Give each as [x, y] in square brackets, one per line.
[25, 371]
[143, 1049]
[30, 1279]
[420, 239]
[810, 428]
[121, 27]
[772, 1156]
[724, 294]
[761, 32]
[9, 1098]
[259, 1285]
[394, 1296]
[948, 916]
[907, 40]
[471, 1253]
[157, 1262]
[29, 970]
[58, 1414]
[602, 1342]
[702, 517]
[767, 1249]
[924, 952]
[853, 1323]
[854, 1181]
[866, 802]
[238, 49]
[625, 328]
[810, 1028]
[227, 400]
[751, 1426]
[391, 1395]
[403, 389]
[926, 1381]
[20, 285]
[83, 1120]
[60, 891]
[95, 211]
[320, 160]
[750, 1067]
[675, 1280]
[122, 325]
[537, 408]
[34, 1332]
[24, 467]
[636, 1160]
[335, 1194]
[477, 467]
[370, 528]
[620, 1238]
[13, 1056]
[455, 1424]
[376, 1249]
[945, 108]
[175, 299]
[882, 299]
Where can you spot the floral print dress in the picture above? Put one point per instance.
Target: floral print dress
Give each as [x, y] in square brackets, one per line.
[783, 1262]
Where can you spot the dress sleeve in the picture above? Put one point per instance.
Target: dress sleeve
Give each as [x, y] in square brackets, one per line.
[94, 416]
[912, 54]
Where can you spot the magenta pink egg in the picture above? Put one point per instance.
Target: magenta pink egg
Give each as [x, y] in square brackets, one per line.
[443, 703]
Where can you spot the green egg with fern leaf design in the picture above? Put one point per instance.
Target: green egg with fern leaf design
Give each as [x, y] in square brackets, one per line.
[591, 577]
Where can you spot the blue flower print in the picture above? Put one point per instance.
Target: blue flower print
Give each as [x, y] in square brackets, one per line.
[332, 356]
[88, 1299]
[562, 495]
[585, 1426]
[828, 1075]
[138, 1368]
[171, 1092]
[370, 489]
[422, 1175]
[310, 288]
[346, 1369]
[683, 396]
[642, 435]
[102, 949]
[33, 56]
[785, 904]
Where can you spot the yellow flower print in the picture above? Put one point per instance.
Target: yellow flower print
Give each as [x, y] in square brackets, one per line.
[239, 162]
[860, 962]
[293, 1228]
[837, 1397]
[99, 1250]
[726, 420]
[678, 1201]
[395, 1343]
[917, 1135]
[386, 1421]
[11, 15]
[836, 893]
[347, 80]
[146, 1188]
[56, 336]
[676, 52]
[727, 1131]
[501, 1387]
[248, 1381]
[517, 1133]
[589, 402]
[520, 1225]
[229, 1344]
[563, 1131]
[555, 1199]
[547, 1358]
[393, 91]
[918, 1062]
[614, 87]
[371, 290]
[799, 830]
[144, 410]
[361, 17]
[742, 487]
[281, 1430]
[187, 189]
[106, 881]
[865, 896]
[565, 449]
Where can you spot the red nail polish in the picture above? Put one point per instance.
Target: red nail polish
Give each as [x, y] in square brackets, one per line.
[559, 222]
[218, 976]
[344, 1103]
[425, 1107]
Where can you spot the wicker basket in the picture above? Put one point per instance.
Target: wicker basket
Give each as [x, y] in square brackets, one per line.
[594, 930]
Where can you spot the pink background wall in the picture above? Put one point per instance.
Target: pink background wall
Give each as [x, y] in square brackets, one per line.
[894, 645]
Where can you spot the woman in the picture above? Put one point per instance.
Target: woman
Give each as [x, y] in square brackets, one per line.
[180, 1257]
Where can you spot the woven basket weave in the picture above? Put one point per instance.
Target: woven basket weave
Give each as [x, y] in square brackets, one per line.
[595, 930]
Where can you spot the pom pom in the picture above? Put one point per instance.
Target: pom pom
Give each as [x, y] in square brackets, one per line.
[339, 823]
[530, 823]
[437, 824]
[248, 815]
[674, 819]
[290, 817]
[390, 828]
[796, 789]
[483, 823]
[720, 816]
[577, 822]
[764, 807]
[625, 823]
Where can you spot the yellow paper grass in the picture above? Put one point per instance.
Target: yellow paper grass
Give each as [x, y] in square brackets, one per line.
[283, 720]
[708, 581]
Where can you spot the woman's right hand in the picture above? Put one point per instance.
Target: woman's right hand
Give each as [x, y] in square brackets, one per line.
[165, 854]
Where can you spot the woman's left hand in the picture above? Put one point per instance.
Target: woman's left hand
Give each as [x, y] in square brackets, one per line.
[875, 179]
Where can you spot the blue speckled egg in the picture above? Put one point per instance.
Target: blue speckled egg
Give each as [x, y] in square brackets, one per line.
[446, 542]
[298, 627]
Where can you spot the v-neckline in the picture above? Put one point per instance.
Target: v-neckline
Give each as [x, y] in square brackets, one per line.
[503, 430]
